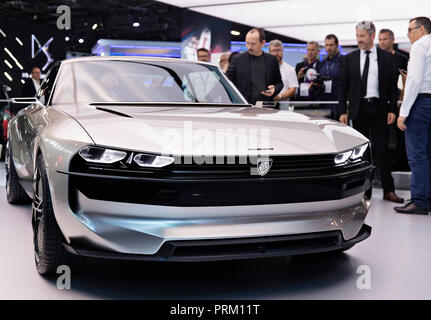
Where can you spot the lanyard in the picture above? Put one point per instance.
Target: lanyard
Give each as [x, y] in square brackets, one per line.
[332, 63]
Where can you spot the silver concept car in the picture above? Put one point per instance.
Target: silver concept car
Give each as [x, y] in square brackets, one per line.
[163, 159]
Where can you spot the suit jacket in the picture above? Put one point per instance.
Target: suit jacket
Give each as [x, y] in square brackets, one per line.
[350, 84]
[239, 73]
[28, 89]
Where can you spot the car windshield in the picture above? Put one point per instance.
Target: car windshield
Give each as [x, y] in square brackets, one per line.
[152, 81]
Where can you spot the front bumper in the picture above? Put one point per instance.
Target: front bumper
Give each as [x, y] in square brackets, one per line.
[97, 226]
[142, 229]
[236, 249]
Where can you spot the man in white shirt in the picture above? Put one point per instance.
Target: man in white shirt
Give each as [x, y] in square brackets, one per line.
[415, 116]
[288, 74]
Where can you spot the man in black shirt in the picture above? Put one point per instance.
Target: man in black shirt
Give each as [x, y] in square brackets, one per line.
[255, 73]
[386, 42]
[310, 62]
[330, 71]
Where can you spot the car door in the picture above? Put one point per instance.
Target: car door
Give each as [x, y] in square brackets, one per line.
[29, 123]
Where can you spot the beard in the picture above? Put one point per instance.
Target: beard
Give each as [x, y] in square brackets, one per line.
[361, 45]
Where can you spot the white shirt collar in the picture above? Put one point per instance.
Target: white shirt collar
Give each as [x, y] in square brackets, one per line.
[373, 50]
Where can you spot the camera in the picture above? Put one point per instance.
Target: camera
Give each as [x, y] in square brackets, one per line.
[317, 88]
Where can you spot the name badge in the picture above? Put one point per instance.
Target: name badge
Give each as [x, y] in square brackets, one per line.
[328, 86]
[303, 89]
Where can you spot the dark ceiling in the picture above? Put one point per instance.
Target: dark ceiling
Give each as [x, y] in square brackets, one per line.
[114, 19]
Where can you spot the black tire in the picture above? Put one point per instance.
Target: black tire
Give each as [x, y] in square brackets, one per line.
[14, 192]
[3, 152]
[49, 252]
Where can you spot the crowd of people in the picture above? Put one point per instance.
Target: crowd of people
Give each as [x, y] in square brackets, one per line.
[364, 85]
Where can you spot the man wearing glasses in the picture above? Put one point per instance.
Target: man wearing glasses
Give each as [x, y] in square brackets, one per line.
[224, 61]
[415, 116]
[203, 55]
[288, 74]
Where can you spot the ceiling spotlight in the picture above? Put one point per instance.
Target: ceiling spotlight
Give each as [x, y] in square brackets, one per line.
[67, 39]
[235, 33]
[94, 26]
[81, 40]
[136, 24]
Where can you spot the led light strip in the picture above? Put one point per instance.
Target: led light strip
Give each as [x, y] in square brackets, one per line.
[19, 41]
[13, 58]
[8, 64]
[1, 31]
[8, 76]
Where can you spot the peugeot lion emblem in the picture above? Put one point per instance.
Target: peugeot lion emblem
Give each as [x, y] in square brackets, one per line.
[263, 166]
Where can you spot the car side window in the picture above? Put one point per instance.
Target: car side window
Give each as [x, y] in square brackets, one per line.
[46, 87]
[64, 88]
[206, 86]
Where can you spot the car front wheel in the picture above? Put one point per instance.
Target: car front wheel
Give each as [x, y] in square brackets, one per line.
[49, 252]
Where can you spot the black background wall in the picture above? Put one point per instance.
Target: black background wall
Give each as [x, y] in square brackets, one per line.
[16, 31]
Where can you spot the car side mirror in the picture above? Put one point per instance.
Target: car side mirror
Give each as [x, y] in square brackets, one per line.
[27, 101]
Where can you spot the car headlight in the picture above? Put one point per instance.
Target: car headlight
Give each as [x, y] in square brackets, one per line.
[94, 154]
[342, 157]
[351, 156]
[101, 155]
[359, 152]
[151, 160]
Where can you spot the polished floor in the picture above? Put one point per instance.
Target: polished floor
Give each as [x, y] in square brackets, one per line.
[397, 256]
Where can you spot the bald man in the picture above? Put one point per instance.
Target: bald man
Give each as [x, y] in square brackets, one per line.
[255, 73]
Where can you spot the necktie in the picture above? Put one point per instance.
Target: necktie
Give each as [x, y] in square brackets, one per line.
[365, 75]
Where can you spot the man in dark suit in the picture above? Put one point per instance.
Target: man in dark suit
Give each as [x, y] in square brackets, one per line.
[32, 85]
[369, 83]
[255, 73]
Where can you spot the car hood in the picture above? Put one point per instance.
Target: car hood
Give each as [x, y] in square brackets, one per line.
[213, 130]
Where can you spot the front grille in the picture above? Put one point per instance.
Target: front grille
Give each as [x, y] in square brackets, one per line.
[221, 168]
[291, 179]
[282, 166]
